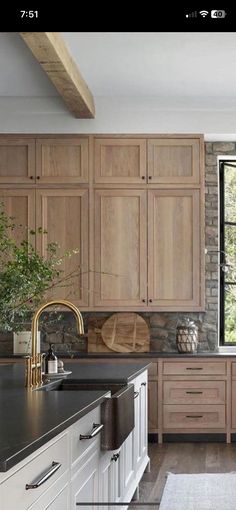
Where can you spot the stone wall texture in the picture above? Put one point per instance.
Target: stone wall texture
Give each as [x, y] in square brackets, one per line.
[162, 325]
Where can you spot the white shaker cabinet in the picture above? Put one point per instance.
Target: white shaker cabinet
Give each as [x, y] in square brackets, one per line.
[83, 472]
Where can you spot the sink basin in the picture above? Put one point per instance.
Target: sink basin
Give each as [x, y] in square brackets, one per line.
[117, 411]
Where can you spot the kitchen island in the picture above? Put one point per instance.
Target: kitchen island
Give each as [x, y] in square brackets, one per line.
[42, 429]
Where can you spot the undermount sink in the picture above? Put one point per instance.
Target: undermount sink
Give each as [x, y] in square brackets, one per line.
[117, 411]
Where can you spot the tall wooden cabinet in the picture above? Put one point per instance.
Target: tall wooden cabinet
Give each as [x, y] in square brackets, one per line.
[148, 218]
[132, 205]
[63, 214]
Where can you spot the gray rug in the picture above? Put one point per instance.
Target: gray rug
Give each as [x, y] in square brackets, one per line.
[200, 492]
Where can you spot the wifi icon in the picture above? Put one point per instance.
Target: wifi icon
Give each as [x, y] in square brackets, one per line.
[203, 13]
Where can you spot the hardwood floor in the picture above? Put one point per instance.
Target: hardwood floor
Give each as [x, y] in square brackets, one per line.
[183, 458]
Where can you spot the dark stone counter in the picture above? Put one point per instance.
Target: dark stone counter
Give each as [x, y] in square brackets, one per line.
[29, 419]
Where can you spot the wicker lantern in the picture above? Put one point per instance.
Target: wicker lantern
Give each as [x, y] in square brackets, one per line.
[187, 336]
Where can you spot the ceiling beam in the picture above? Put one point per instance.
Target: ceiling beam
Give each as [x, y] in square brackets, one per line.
[51, 52]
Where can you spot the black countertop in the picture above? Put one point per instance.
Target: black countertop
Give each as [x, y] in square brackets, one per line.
[29, 419]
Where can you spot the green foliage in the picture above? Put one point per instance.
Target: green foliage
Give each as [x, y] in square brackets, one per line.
[230, 250]
[25, 276]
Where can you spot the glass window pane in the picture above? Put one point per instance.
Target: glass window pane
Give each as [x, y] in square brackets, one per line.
[230, 252]
[230, 193]
[230, 313]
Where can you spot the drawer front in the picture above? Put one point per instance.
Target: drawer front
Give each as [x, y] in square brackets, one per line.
[194, 368]
[194, 392]
[80, 447]
[194, 417]
[14, 488]
[153, 371]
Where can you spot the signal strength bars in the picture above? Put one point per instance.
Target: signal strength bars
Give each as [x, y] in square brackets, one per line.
[192, 14]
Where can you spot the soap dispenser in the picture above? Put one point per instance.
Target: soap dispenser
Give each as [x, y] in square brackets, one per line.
[51, 366]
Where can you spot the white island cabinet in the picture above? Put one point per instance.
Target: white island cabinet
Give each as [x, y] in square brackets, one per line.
[69, 470]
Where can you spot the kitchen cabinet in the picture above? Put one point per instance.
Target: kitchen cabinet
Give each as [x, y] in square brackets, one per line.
[174, 160]
[20, 204]
[40, 160]
[174, 247]
[63, 214]
[160, 160]
[85, 482]
[119, 160]
[17, 160]
[148, 262]
[62, 160]
[120, 249]
[14, 493]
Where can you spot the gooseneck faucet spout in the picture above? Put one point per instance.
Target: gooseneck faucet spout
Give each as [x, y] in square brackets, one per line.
[34, 362]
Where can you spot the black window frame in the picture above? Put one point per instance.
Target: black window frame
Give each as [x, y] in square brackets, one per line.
[222, 274]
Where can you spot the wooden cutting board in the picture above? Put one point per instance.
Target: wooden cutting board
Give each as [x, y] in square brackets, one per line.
[126, 332]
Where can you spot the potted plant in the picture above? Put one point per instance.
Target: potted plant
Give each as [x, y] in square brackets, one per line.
[25, 277]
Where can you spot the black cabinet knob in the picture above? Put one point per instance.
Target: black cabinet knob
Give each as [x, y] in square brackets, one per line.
[150, 177]
[143, 177]
[144, 300]
[38, 177]
[150, 300]
[31, 176]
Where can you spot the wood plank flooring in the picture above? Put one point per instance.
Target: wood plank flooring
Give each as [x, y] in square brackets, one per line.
[183, 458]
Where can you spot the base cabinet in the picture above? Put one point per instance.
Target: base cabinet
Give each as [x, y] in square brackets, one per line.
[86, 474]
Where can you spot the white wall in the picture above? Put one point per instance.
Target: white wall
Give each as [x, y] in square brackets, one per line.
[114, 115]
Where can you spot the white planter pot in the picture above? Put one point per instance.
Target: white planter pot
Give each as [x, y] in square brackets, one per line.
[22, 342]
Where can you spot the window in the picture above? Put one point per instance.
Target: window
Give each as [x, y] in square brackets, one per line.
[228, 252]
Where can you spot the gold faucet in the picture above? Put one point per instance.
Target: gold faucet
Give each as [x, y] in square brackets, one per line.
[33, 372]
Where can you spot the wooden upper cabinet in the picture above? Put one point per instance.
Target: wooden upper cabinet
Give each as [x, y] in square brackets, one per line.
[174, 247]
[64, 215]
[119, 160]
[17, 160]
[62, 160]
[120, 251]
[20, 204]
[174, 160]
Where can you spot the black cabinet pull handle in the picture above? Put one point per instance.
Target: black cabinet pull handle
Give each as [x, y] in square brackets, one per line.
[196, 416]
[194, 392]
[115, 457]
[143, 384]
[95, 431]
[136, 394]
[193, 368]
[44, 477]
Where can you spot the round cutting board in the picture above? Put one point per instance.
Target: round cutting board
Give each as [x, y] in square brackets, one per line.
[126, 332]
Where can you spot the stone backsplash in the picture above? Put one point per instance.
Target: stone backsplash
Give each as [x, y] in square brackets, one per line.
[162, 325]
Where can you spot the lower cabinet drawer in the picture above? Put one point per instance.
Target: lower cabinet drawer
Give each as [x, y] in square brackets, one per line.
[194, 368]
[14, 491]
[194, 417]
[80, 447]
[194, 392]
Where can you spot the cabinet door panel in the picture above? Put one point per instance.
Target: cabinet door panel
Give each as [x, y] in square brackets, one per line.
[152, 406]
[174, 249]
[84, 485]
[172, 161]
[62, 160]
[120, 247]
[64, 215]
[17, 160]
[120, 160]
[20, 204]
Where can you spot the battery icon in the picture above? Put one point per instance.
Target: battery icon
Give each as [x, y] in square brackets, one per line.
[218, 14]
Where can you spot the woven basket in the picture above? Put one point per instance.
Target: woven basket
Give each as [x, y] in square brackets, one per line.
[187, 339]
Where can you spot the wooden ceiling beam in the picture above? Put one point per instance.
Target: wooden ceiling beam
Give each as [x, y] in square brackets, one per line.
[52, 54]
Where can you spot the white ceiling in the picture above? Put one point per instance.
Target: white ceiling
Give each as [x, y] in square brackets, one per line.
[178, 70]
